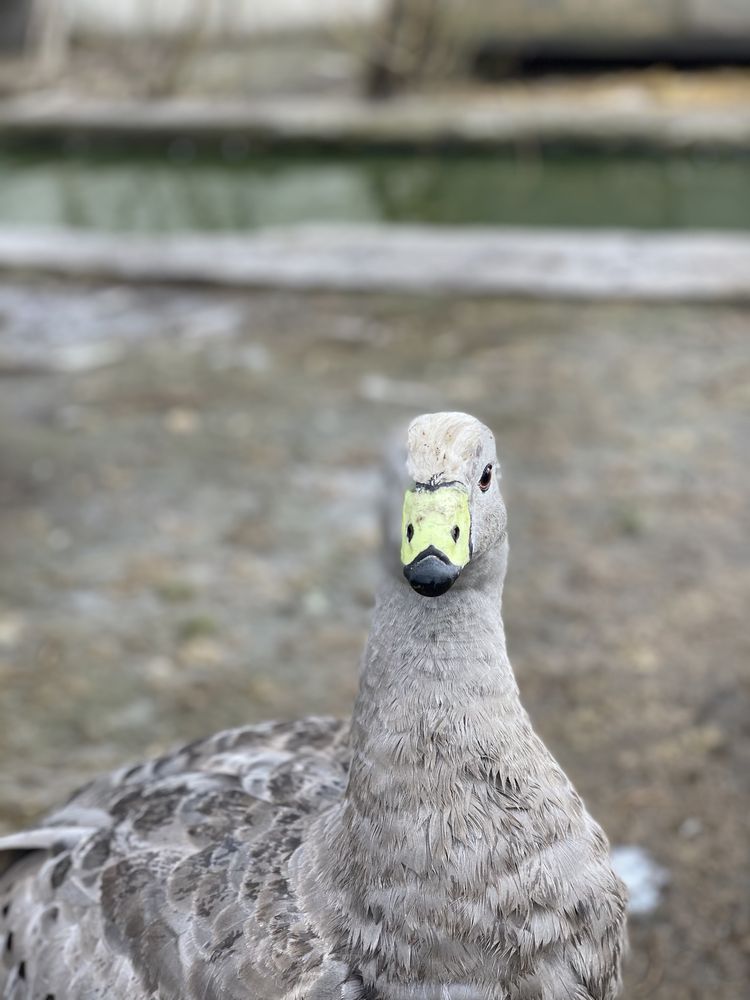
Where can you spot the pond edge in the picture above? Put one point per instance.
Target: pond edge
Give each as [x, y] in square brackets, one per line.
[538, 263]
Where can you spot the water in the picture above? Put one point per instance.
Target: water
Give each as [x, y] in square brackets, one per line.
[181, 191]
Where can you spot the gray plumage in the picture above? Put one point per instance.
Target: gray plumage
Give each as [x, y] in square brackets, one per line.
[435, 852]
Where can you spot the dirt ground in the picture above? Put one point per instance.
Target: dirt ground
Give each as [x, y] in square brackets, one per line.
[189, 532]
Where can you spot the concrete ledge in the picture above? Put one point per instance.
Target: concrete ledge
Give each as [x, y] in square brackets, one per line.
[567, 264]
[484, 121]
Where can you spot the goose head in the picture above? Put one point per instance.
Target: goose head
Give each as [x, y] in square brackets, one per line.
[454, 511]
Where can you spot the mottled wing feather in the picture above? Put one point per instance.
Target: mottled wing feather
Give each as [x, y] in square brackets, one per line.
[169, 879]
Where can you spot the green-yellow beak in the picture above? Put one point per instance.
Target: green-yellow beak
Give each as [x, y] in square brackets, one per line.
[435, 537]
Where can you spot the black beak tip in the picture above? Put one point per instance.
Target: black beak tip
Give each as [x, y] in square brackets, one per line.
[431, 574]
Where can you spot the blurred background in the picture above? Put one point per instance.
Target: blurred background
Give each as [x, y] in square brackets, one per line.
[241, 242]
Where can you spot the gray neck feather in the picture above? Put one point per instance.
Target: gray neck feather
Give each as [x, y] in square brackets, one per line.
[437, 733]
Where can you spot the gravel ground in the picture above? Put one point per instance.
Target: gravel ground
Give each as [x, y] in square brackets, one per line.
[189, 533]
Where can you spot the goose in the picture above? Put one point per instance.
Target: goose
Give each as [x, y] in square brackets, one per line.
[432, 849]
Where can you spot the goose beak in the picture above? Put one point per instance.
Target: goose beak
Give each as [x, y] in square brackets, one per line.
[435, 540]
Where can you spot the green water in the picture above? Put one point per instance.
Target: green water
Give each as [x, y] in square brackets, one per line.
[161, 194]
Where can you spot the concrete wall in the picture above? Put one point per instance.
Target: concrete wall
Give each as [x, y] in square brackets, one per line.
[221, 16]
[474, 17]
[720, 15]
[514, 18]
[15, 18]
[31, 31]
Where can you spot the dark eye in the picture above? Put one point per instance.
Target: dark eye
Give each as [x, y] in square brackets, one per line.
[484, 482]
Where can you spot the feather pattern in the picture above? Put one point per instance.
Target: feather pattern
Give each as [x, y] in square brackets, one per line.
[434, 850]
[179, 891]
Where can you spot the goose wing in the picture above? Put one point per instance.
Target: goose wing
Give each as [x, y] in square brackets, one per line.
[169, 880]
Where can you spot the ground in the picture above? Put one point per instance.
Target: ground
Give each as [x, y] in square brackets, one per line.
[189, 539]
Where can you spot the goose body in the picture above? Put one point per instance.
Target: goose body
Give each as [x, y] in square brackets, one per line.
[434, 850]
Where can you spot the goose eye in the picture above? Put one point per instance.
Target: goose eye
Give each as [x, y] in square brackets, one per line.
[484, 482]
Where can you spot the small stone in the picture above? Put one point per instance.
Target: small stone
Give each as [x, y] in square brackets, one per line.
[255, 358]
[690, 828]
[83, 357]
[160, 670]
[710, 738]
[203, 652]
[182, 421]
[315, 603]
[644, 659]
[11, 629]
